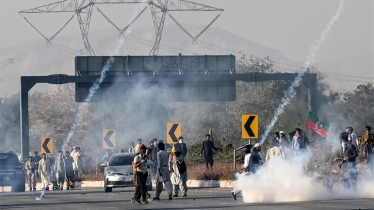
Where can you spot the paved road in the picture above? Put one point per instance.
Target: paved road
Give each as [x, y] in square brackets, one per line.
[120, 199]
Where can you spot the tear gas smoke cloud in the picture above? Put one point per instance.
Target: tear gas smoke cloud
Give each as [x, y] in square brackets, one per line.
[291, 92]
[280, 180]
[83, 107]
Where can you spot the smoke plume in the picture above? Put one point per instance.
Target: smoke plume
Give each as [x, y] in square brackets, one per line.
[291, 92]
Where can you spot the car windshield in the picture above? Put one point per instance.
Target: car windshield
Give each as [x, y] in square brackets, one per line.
[8, 160]
[121, 160]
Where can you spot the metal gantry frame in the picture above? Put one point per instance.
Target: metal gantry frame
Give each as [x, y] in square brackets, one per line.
[27, 82]
[83, 10]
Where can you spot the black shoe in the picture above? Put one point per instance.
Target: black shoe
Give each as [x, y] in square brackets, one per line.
[47, 188]
[170, 197]
[156, 198]
[233, 195]
[67, 188]
[175, 195]
[137, 201]
[34, 189]
[184, 195]
[30, 189]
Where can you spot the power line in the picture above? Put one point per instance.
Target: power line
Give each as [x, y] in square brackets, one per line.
[83, 11]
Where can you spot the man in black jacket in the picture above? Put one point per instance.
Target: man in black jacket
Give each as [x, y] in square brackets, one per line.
[348, 165]
[181, 147]
[207, 150]
[255, 159]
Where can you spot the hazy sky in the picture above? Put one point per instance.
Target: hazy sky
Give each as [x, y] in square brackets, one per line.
[290, 26]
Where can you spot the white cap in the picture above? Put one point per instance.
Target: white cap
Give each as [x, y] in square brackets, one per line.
[282, 132]
[257, 145]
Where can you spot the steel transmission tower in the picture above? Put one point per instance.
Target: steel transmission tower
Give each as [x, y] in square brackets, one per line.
[83, 10]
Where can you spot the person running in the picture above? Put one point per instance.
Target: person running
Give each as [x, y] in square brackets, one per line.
[163, 172]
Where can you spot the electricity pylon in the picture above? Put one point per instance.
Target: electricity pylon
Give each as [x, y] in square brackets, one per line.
[83, 10]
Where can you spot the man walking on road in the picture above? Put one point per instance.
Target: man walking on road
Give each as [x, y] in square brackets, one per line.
[153, 156]
[69, 170]
[140, 163]
[44, 170]
[207, 151]
[179, 173]
[77, 164]
[36, 158]
[60, 170]
[31, 176]
[163, 172]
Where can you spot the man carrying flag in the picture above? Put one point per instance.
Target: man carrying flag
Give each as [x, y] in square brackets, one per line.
[211, 134]
[315, 124]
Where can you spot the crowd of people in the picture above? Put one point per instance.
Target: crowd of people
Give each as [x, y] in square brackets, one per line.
[352, 146]
[66, 166]
[167, 164]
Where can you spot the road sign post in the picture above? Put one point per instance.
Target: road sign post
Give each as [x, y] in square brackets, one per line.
[249, 126]
[173, 131]
[46, 145]
[109, 138]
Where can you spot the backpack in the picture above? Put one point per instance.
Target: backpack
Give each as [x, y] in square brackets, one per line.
[182, 167]
[133, 168]
[303, 143]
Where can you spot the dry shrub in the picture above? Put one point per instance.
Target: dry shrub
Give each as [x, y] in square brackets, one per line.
[93, 177]
[221, 171]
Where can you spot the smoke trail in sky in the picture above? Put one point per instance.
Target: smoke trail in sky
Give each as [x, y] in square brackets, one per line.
[83, 107]
[291, 92]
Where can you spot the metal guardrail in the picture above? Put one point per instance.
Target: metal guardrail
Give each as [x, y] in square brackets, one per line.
[237, 149]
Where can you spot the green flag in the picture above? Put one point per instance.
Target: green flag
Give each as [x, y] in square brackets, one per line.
[211, 132]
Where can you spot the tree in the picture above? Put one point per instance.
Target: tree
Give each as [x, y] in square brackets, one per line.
[354, 109]
[9, 123]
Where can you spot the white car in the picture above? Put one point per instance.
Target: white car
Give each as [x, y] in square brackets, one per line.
[118, 172]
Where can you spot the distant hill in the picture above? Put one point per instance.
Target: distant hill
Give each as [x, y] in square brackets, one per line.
[35, 58]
